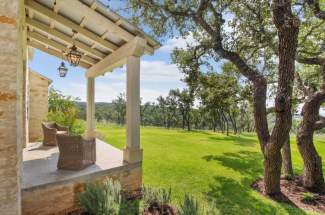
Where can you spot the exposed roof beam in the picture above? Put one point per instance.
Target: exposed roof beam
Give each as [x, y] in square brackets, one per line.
[93, 5]
[103, 21]
[119, 22]
[44, 40]
[82, 23]
[37, 7]
[134, 48]
[54, 33]
[100, 19]
[53, 52]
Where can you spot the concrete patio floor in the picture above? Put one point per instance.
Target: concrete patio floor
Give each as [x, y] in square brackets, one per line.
[39, 165]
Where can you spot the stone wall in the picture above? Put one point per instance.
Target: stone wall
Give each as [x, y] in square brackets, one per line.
[38, 104]
[11, 104]
[63, 198]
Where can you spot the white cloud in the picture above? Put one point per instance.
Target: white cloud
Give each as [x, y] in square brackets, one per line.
[159, 71]
[150, 71]
[177, 42]
[157, 77]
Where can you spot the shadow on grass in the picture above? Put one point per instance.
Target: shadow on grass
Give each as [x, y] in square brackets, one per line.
[196, 132]
[236, 196]
[237, 140]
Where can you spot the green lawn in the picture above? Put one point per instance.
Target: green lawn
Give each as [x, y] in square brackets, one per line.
[207, 165]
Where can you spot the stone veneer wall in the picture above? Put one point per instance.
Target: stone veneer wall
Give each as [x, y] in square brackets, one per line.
[63, 198]
[38, 104]
[11, 104]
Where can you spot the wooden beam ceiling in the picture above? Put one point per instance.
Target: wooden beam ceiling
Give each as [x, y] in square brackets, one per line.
[53, 52]
[39, 8]
[55, 45]
[89, 13]
[99, 19]
[65, 38]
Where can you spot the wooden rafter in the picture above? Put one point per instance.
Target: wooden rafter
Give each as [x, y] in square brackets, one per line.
[39, 8]
[52, 52]
[99, 18]
[67, 39]
[112, 27]
[55, 45]
[136, 47]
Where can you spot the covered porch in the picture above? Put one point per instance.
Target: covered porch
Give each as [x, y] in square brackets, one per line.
[47, 190]
[32, 182]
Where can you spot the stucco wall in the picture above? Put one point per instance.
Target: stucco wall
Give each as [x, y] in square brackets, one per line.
[11, 104]
[38, 104]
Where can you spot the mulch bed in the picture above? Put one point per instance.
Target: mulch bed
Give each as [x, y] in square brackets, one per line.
[292, 193]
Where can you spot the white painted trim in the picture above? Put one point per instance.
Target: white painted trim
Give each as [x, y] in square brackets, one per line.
[134, 48]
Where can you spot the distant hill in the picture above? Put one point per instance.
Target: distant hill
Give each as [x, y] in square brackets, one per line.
[99, 106]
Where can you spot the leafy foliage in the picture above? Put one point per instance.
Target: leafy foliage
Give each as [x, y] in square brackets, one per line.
[102, 198]
[62, 110]
[190, 206]
[160, 196]
[308, 197]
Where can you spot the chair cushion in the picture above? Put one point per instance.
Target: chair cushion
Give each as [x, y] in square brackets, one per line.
[50, 125]
[62, 132]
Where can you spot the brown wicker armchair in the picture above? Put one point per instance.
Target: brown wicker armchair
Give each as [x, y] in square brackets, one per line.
[50, 130]
[76, 153]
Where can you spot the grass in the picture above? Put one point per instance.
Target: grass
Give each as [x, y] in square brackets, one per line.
[209, 165]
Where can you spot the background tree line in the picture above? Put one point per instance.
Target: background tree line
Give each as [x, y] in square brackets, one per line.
[218, 102]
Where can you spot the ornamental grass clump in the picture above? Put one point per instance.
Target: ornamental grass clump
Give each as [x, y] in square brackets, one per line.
[191, 206]
[102, 198]
[158, 201]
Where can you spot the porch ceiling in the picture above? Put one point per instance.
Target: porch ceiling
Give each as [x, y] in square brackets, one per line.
[100, 32]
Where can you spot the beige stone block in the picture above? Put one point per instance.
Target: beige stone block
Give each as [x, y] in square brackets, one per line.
[131, 155]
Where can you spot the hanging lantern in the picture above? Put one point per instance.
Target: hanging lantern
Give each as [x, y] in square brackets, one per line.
[62, 70]
[74, 56]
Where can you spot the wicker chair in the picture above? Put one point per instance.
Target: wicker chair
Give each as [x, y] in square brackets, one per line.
[76, 153]
[50, 130]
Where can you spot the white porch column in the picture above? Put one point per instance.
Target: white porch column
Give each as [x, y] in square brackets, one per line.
[133, 152]
[91, 125]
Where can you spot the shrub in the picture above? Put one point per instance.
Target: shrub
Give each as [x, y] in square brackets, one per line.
[101, 198]
[63, 110]
[308, 197]
[161, 196]
[78, 127]
[189, 206]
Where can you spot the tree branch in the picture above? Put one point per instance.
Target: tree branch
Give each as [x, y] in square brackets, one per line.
[300, 84]
[314, 4]
[320, 123]
[310, 60]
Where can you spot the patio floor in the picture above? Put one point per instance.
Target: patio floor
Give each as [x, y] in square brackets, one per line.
[39, 165]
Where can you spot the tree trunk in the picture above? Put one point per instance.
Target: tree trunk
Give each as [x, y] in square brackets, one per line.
[234, 123]
[288, 28]
[188, 122]
[272, 171]
[226, 122]
[183, 121]
[286, 158]
[221, 122]
[313, 174]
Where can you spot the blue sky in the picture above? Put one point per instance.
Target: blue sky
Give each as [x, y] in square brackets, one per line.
[158, 75]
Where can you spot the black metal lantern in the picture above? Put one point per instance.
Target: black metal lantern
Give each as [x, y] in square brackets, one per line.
[62, 70]
[74, 56]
